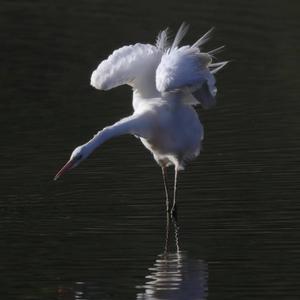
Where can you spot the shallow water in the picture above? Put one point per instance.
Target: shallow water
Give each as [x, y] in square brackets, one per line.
[100, 232]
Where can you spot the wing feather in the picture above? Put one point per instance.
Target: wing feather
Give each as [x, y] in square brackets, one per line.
[126, 64]
[163, 69]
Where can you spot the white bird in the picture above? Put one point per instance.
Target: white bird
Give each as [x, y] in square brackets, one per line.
[167, 81]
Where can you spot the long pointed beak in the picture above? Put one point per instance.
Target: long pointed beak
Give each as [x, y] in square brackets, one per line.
[65, 168]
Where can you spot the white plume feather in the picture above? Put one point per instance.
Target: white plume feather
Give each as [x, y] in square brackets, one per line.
[217, 66]
[182, 31]
[162, 40]
[203, 39]
[188, 70]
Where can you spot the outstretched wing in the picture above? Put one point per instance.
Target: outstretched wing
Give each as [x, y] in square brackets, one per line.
[189, 70]
[126, 64]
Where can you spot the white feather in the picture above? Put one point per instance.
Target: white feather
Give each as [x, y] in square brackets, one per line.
[162, 40]
[182, 31]
[203, 39]
[186, 73]
[126, 64]
[218, 66]
[217, 50]
[180, 68]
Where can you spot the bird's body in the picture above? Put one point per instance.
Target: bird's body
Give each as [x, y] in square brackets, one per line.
[175, 132]
[167, 81]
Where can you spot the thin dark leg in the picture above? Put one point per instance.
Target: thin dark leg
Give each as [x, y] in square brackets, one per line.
[166, 187]
[176, 235]
[167, 233]
[174, 207]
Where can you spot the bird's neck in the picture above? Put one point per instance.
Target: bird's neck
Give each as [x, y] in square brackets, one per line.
[101, 137]
[124, 126]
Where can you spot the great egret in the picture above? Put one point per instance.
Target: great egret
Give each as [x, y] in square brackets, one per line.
[167, 81]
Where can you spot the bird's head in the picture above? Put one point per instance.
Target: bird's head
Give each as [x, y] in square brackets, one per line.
[78, 155]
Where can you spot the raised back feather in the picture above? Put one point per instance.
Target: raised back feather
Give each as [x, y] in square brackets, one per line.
[204, 38]
[162, 40]
[186, 69]
[180, 68]
[182, 31]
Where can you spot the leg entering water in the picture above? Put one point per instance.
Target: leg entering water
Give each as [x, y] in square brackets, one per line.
[169, 238]
[174, 207]
[176, 236]
[166, 187]
[167, 234]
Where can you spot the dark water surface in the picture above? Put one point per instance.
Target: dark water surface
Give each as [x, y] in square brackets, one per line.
[100, 232]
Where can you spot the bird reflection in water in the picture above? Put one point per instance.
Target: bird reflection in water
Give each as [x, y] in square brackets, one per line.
[174, 276]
